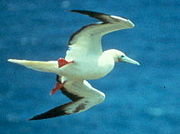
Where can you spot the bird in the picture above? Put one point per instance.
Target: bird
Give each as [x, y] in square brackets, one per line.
[85, 60]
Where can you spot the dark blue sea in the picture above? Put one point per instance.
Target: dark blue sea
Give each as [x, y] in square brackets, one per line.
[139, 99]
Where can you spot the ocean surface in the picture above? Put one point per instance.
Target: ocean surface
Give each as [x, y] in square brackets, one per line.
[139, 99]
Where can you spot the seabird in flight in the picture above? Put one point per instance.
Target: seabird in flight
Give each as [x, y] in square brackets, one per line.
[84, 60]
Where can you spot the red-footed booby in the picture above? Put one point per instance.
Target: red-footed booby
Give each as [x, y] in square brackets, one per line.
[84, 60]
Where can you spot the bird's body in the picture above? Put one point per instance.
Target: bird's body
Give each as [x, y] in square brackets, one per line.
[88, 67]
[85, 60]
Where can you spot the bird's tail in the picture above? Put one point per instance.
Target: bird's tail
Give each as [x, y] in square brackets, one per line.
[43, 66]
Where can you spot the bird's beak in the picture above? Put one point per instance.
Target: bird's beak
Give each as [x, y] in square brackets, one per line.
[129, 60]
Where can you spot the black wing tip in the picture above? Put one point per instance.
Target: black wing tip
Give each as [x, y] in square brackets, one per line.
[88, 12]
[38, 117]
[47, 115]
[33, 118]
[55, 112]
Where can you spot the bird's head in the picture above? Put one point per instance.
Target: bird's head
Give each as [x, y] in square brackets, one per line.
[121, 57]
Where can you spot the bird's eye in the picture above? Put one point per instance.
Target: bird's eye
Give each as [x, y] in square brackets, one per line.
[122, 56]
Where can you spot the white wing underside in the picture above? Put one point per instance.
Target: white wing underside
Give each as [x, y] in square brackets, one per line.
[83, 97]
[87, 40]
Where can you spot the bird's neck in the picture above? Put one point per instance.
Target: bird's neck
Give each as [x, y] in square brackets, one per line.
[110, 53]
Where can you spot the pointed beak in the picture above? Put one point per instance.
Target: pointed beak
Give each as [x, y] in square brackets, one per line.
[129, 60]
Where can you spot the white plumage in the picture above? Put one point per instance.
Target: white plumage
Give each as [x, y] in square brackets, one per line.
[89, 62]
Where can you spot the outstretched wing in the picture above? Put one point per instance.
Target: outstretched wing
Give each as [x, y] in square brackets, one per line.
[44, 66]
[88, 38]
[83, 97]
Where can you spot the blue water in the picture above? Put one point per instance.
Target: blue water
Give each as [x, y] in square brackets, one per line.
[139, 99]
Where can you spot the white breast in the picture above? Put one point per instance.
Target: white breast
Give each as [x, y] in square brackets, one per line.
[91, 67]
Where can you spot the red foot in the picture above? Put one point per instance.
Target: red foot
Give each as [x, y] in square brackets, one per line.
[58, 87]
[62, 62]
